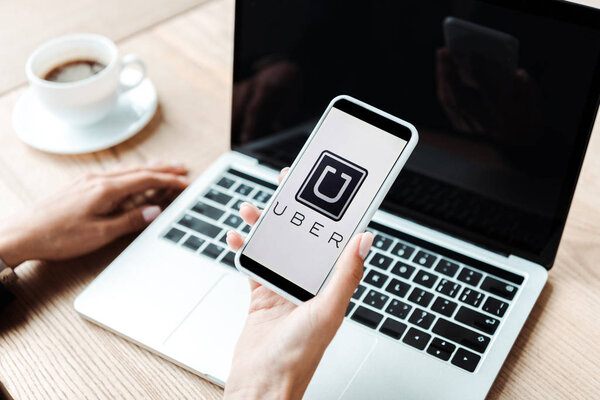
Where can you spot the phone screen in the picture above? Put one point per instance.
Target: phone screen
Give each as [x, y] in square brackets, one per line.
[323, 200]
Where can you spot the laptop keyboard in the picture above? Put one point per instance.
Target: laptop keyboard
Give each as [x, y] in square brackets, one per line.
[204, 225]
[419, 293]
[423, 295]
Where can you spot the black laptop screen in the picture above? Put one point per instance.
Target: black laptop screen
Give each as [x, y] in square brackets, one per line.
[503, 93]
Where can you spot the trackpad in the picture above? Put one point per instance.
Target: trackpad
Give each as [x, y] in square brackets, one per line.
[206, 339]
[341, 361]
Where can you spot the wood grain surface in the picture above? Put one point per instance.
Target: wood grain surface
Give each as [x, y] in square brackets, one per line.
[48, 352]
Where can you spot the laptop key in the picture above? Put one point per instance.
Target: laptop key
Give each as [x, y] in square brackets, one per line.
[199, 226]
[233, 220]
[495, 306]
[421, 318]
[367, 317]
[448, 288]
[398, 309]
[174, 235]
[403, 250]
[223, 238]
[420, 297]
[226, 182]
[494, 286]
[358, 292]
[443, 306]
[381, 242]
[477, 320]
[397, 288]
[380, 261]
[469, 276]
[446, 267]
[441, 349]
[218, 196]
[461, 335]
[425, 278]
[229, 259]
[212, 250]
[209, 211]
[246, 228]
[244, 189]
[471, 297]
[237, 204]
[349, 308]
[466, 360]
[403, 270]
[262, 196]
[416, 338]
[392, 328]
[376, 299]
[193, 242]
[424, 259]
[375, 278]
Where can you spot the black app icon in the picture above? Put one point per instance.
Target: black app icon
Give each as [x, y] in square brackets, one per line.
[331, 185]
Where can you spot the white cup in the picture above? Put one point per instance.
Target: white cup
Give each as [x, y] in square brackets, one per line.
[86, 101]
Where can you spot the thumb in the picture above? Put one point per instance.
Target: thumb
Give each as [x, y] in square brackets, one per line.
[347, 274]
[132, 221]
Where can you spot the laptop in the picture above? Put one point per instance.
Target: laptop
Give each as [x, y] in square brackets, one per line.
[463, 241]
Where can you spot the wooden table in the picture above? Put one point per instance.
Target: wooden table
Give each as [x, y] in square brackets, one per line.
[47, 351]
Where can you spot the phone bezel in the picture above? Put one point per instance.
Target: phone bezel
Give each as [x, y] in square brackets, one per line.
[371, 115]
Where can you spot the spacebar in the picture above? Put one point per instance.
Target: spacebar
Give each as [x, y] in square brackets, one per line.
[461, 335]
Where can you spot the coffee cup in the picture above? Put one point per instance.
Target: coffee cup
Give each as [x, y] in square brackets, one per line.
[81, 99]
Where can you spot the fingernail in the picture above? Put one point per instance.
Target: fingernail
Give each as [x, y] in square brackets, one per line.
[177, 164]
[183, 179]
[245, 205]
[150, 213]
[284, 171]
[366, 241]
[155, 162]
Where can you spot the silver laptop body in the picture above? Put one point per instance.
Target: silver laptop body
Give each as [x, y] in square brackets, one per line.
[190, 308]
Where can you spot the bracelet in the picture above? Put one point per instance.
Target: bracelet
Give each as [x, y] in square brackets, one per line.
[7, 275]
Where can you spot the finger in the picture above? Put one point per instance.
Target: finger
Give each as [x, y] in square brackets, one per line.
[253, 284]
[117, 188]
[346, 276]
[131, 221]
[249, 213]
[153, 166]
[283, 173]
[234, 240]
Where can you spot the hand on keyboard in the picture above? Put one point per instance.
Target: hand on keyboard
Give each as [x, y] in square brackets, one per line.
[90, 212]
[281, 344]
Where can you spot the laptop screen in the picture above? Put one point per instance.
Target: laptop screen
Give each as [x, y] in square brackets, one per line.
[503, 94]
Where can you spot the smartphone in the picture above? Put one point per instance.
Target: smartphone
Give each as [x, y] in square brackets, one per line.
[331, 192]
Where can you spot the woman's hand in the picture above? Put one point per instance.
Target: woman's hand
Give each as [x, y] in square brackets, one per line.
[282, 344]
[91, 212]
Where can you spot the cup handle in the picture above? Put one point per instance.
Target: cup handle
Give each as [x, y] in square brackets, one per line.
[126, 62]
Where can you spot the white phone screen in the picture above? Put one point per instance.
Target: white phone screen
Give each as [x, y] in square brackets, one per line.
[324, 199]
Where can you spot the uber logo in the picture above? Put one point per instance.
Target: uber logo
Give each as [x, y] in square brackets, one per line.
[331, 185]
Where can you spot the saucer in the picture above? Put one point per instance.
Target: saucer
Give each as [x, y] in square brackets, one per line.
[39, 129]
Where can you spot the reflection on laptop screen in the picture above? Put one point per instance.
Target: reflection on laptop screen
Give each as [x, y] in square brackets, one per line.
[503, 96]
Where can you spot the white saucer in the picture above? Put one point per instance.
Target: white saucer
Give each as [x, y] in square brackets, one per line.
[40, 130]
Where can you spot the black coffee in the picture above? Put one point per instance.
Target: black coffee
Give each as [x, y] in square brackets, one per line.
[73, 71]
